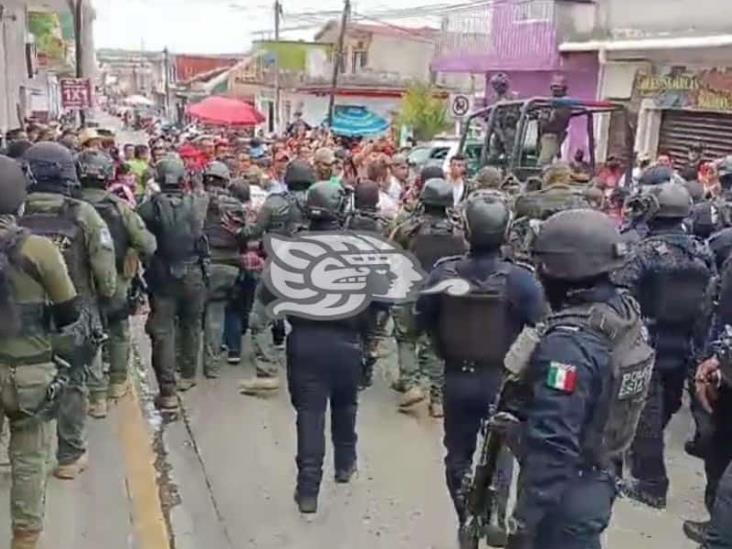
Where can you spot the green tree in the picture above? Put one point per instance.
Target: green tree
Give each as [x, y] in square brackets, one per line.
[425, 113]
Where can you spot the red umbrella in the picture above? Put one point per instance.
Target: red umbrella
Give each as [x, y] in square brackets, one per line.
[225, 111]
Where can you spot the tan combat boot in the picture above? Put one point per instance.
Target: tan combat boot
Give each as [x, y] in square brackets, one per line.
[72, 470]
[258, 385]
[98, 408]
[118, 390]
[413, 396]
[25, 539]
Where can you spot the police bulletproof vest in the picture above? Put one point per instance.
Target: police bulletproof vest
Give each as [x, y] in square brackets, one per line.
[612, 427]
[477, 328]
[674, 292]
[221, 206]
[705, 219]
[109, 211]
[435, 238]
[361, 220]
[178, 229]
[61, 226]
[287, 213]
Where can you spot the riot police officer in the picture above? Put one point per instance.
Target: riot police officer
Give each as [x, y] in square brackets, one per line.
[88, 248]
[430, 233]
[224, 271]
[131, 241]
[176, 277]
[282, 213]
[670, 273]
[588, 378]
[34, 276]
[472, 333]
[324, 365]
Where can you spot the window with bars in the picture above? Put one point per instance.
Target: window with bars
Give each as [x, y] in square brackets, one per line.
[534, 11]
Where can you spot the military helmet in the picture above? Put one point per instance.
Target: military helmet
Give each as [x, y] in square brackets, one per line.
[672, 201]
[487, 218]
[578, 244]
[657, 175]
[437, 192]
[51, 163]
[299, 174]
[559, 173]
[95, 166]
[13, 185]
[325, 200]
[500, 81]
[219, 170]
[170, 171]
[489, 178]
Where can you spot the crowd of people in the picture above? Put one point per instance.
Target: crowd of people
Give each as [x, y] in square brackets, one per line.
[623, 282]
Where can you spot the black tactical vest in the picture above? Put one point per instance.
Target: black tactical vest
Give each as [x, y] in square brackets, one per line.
[109, 211]
[177, 228]
[435, 238]
[477, 328]
[365, 221]
[222, 205]
[63, 229]
[611, 429]
[287, 213]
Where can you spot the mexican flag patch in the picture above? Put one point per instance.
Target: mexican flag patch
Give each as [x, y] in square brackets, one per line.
[562, 377]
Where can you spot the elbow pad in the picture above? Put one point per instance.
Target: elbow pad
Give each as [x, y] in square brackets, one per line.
[66, 313]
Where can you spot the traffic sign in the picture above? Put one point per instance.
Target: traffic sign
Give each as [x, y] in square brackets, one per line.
[76, 93]
[460, 105]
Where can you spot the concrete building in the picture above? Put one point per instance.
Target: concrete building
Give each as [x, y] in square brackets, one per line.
[669, 61]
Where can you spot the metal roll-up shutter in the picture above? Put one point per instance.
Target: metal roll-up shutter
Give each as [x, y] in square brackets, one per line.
[682, 129]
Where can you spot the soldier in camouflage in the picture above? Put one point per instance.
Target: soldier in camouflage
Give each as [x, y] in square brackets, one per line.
[88, 248]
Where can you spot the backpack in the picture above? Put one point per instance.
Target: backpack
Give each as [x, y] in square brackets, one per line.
[177, 227]
[110, 213]
[611, 429]
[61, 226]
[366, 221]
[435, 238]
[222, 205]
[11, 317]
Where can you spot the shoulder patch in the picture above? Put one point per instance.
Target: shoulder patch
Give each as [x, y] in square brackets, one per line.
[105, 239]
[562, 377]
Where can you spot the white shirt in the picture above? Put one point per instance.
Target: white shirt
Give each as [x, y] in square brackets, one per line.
[457, 191]
[395, 189]
[387, 207]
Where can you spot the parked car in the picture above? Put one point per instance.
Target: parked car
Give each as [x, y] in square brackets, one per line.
[441, 151]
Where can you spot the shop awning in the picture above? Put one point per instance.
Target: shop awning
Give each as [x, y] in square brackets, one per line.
[353, 121]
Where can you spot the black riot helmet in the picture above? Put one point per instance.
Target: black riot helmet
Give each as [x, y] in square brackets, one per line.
[170, 172]
[13, 186]
[299, 175]
[673, 201]
[580, 244]
[217, 174]
[487, 220]
[366, 196]
[95, 168]
[326, 201]
[437, 192]
[52, 165]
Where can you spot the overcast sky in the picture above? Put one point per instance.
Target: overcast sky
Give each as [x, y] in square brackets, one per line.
[215, 26]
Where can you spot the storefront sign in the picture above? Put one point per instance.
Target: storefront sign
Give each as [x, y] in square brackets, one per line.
[76, 93]
[677, 88]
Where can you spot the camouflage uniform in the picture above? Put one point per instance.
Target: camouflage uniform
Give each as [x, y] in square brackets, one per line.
[140, 242]
[26, 371]
[95, 279]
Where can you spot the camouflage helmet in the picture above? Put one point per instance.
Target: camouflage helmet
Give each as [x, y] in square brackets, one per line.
[578, 244]
[170, 171]
[13, 185]
[487, 219]
[559, 173]
[218, 170]
[326, 200]
[437, 192]
[299, 175]
[673, 201]
[95, 167]
[52, 163]
[489, 178]
[500, 81]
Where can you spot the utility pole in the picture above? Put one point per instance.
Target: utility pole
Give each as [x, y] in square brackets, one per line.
[166, 60]
[77, 13]
[337, 58]
[277, 16]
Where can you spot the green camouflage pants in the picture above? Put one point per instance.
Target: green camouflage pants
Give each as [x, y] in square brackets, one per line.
[266, 357]
[22, 390]
[417, 359]
[551, 147]
[221, 281]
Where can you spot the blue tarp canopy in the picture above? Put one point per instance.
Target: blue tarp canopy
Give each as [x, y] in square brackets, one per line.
[353, 121]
